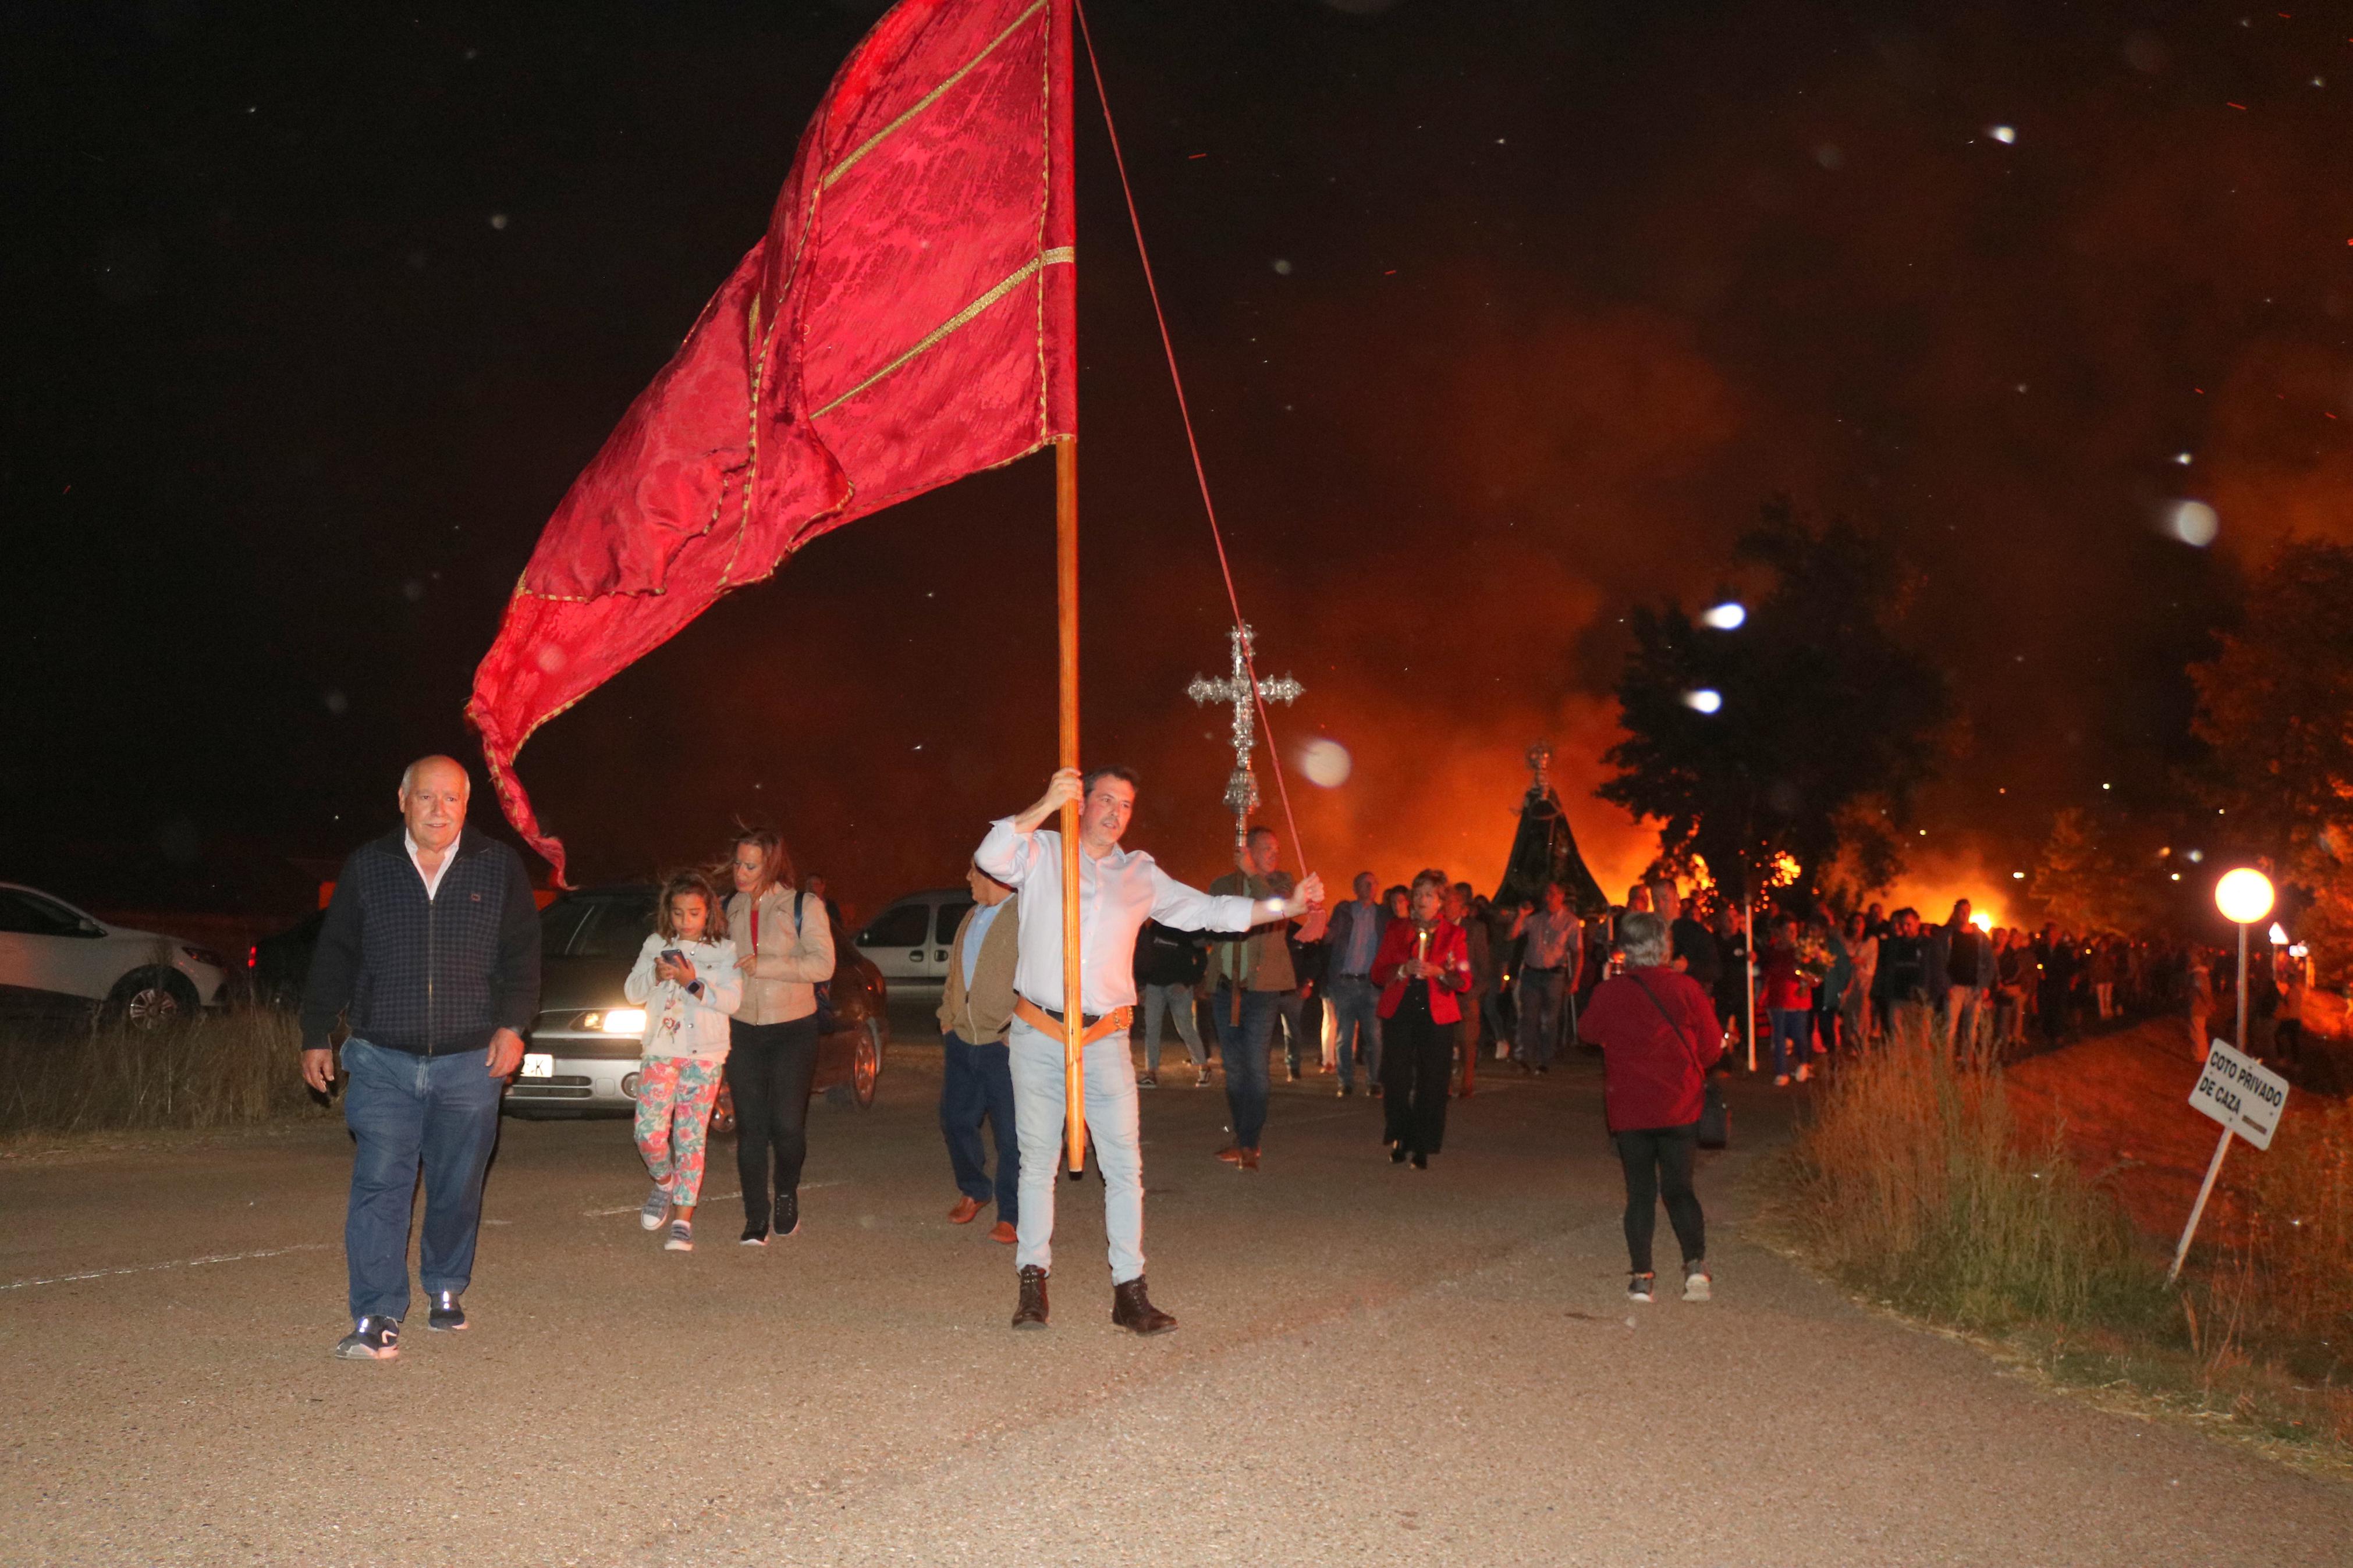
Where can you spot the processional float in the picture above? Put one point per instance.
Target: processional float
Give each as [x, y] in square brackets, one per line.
[909, 318]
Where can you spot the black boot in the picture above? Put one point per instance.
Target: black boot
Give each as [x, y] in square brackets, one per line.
[1131, 1309]
[1031, 1312]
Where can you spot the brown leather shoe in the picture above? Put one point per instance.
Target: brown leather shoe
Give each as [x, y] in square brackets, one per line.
[1002, 1231]
[1131, 1309]
[965, 1210]
[1231, 1154]
[1031, 1312]
[1250, 1159]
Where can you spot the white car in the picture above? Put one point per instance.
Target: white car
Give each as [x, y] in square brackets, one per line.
[52, 953]
[909, 940]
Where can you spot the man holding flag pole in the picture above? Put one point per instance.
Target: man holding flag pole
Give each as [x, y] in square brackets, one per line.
[1118, 890]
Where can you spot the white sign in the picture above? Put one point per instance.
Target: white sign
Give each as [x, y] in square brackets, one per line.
[2241, 1093]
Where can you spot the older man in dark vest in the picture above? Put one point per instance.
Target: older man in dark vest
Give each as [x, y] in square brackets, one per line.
[430, 952]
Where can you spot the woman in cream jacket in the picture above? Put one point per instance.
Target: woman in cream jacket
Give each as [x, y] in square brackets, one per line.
[785, 940]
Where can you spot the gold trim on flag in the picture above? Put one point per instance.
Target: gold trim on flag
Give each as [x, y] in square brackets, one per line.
[1060, 254]
[930, 97]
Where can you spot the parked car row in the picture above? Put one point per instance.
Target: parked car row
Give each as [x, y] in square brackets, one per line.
[55, 958]
[584, 1045]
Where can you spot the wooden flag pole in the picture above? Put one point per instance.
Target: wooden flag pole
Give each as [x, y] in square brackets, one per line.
[1066, 596]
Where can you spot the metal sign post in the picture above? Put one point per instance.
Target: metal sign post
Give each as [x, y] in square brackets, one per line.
[2246, 1097]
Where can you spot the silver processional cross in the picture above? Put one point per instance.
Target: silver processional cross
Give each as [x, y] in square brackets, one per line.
[1242, 787]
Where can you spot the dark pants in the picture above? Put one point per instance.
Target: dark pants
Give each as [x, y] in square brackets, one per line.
[1303, 1026]
[1416, 1052]
[406, 1113]
[769, 1069]
[976, 1082]
[1826, 1022]
[1658, 1162]
[2051, 1003]
[1243, 1046]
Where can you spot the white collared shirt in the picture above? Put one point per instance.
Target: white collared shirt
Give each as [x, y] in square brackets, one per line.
[1116, 895]
[415, 858]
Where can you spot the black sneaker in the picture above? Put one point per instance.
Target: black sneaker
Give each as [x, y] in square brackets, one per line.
[789, 1213]
[372, 1339]
[444, 1315]
[755, 1234]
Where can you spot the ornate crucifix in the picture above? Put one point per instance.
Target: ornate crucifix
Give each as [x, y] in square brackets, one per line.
[1242, 787]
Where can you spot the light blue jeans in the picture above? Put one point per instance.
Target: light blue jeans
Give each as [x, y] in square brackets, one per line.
[1038, 1112]
[1355, 1009]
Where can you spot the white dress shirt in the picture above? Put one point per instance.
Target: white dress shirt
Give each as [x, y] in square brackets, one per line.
[416, 859]
[1116, 895]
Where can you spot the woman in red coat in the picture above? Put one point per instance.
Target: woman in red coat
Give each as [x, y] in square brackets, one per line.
[1422, 968]
[1658, 1035]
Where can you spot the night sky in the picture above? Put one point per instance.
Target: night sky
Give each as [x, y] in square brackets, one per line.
[1497, 318]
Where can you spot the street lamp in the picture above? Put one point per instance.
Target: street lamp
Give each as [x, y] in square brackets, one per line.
[2245, 897]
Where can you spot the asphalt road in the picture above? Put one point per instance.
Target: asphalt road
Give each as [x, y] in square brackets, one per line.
[1374, 1364]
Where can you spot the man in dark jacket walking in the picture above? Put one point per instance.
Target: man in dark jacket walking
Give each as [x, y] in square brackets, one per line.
[431, 949]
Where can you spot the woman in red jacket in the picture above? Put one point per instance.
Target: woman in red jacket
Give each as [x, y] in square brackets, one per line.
[1658, 1035]
[1423, 966]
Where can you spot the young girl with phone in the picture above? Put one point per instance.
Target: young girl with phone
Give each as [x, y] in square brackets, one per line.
[686, 979]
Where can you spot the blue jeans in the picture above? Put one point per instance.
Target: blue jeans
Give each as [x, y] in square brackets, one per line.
[1356, 1008]
[1039, 1107]
[1793, 1036]
[1244, 1048]
[976, 1081]
[1540, 992]
[405, 1113]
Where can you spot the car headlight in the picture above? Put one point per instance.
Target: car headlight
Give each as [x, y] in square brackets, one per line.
[619, 1021]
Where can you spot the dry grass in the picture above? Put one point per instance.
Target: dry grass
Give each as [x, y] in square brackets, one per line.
[1917, 1187]
[233, 1068]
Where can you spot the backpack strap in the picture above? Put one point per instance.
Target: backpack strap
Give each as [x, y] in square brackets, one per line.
[1684, 1039]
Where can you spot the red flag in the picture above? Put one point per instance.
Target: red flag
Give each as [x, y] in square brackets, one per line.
[907, 320]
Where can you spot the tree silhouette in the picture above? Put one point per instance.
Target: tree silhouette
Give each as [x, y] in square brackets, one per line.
[1828, 723]
[2274, 703]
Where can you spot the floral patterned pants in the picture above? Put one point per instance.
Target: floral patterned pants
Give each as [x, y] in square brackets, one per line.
[674, 1100]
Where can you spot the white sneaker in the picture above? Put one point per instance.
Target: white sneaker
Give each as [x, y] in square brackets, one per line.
[656, 1210]
[1697, 1285]
[1640, 1287]
[1780, 1080]
[682, 1237]
[1804, 1072]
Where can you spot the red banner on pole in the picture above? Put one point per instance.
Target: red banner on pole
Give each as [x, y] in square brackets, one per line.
[908, 319]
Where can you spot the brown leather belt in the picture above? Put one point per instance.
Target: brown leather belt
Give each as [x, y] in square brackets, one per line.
[1091, 1029]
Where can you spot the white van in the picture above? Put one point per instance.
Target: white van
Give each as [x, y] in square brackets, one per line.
[908, 942]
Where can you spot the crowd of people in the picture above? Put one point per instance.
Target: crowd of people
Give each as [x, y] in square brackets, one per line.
[429, 958]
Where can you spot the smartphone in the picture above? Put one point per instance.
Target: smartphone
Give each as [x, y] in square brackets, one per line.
[672, 955]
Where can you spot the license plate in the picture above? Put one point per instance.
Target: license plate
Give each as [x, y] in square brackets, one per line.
[538, 1064]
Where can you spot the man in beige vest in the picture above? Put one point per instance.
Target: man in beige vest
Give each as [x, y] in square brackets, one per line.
[977, 1079]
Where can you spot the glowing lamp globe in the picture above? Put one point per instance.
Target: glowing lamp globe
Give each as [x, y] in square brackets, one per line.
[2244, 896]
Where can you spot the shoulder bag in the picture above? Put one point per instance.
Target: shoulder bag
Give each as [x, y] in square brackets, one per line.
[1715, 1115]
[824, 987]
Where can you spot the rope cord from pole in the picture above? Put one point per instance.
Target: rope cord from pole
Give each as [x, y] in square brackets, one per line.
[1192, 442]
